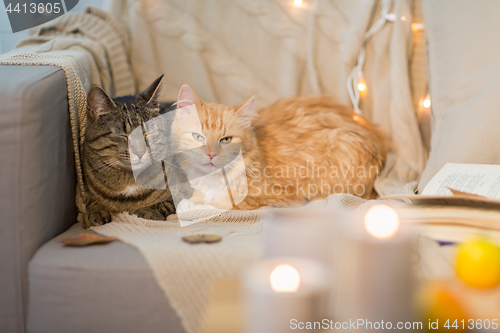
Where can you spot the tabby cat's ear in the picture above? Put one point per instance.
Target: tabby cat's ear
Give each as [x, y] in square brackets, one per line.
[247, 111]
[152, 92]
[187, 97]
[98, 102]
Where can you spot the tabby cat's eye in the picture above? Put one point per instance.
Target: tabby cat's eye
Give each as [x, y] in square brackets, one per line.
[227, 139]
[198, 137]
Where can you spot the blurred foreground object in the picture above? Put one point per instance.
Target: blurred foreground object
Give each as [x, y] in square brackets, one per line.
[281, 290]
[478, 263]
[438, 306]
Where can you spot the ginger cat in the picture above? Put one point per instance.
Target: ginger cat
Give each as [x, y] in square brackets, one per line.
[294, 150]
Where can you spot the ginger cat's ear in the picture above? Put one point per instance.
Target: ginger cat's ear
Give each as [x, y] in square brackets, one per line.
[247, 111]
[187, 97]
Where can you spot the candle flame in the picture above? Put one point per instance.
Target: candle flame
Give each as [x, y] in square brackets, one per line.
[285, 279]
[297, 2]
[381, 222]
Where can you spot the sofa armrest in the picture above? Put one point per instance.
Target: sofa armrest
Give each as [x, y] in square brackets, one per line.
[37, 177]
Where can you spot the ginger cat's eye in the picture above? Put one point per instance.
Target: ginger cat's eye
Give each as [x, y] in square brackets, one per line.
[227, 139]
[198, 137]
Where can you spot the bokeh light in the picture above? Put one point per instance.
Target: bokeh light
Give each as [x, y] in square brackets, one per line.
[285, 279]
[382, 221]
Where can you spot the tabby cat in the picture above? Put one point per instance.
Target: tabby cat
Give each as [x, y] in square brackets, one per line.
[107, 160]
[294, 150]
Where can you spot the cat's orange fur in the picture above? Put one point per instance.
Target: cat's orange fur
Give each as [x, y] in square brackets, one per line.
[295, 150]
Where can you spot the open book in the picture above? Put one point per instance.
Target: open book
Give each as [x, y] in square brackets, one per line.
[459, 194]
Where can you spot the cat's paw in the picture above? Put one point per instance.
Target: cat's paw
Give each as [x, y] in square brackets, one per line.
[248, 204]
[95, 217]
[184, 206]
[150, 214]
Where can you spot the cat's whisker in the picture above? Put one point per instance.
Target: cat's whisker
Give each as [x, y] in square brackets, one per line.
[99, 166]
[107, 166]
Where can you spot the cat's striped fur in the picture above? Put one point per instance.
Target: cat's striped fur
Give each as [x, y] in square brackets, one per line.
[106, 158]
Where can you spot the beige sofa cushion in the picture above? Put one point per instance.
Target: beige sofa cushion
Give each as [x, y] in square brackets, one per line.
[98, 289]
[464, 70]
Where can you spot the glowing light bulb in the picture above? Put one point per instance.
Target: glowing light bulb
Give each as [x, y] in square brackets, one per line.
[381, 222]
[361, 86]
[285, 279]
[426, 103]
[297, 2]
[415, 27]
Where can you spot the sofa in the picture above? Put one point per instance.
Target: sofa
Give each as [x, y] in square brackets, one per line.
[47, 287]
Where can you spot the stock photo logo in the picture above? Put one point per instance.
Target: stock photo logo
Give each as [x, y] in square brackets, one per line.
[165, 153]
[26, 14]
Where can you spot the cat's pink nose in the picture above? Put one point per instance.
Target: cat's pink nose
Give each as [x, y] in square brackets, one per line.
[211, 154]
[140, 154]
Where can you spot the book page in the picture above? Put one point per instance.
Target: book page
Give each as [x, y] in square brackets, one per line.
[480, 179]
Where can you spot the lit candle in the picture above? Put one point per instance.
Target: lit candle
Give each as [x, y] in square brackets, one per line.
[280, 293]
[373, 270]
[307, 233]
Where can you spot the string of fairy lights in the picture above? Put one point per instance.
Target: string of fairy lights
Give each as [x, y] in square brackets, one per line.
[356, 84]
